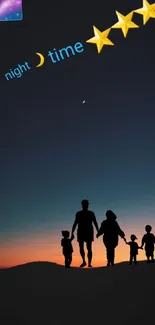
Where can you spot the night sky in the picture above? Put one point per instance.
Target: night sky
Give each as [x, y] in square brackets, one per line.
[10, 10]
[55, 150]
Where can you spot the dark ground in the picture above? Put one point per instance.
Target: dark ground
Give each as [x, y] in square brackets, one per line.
[46, 293]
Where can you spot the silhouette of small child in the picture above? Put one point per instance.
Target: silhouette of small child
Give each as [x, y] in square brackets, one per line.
[67, 251]
[149, 240]
[133, 249]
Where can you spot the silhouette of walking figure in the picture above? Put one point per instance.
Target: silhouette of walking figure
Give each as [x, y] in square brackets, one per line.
[67, 247]
[111, 230]
[85, 232]
[133, 249]
[149, 240]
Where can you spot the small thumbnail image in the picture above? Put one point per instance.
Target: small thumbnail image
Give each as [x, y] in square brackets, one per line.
[11, 10]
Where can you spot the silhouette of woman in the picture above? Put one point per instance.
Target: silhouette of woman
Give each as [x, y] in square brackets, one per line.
[110, 231]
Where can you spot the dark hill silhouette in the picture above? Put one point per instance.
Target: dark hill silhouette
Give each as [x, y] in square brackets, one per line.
[48, 293]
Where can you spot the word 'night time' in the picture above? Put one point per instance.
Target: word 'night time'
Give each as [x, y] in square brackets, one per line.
[55, 56]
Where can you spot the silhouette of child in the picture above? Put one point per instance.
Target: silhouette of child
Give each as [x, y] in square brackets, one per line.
[149, 240]
[67, 250]
[133, 249]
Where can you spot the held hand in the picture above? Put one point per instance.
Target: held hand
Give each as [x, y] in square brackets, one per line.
[97, 236]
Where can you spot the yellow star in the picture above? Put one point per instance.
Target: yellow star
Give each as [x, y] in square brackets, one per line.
[125, 22]
[100, 38]
[148, 11]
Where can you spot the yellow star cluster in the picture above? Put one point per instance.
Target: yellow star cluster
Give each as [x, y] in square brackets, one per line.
[124, 23]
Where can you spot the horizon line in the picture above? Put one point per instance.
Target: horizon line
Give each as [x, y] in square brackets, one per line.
[52, 262]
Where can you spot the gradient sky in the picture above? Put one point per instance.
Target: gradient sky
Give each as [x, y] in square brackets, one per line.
[56, 151]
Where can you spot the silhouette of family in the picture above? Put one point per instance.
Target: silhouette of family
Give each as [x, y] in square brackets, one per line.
[85, 219]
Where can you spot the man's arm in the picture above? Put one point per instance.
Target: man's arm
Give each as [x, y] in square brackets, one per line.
[95, 223]
[74, 226]
[101, 230]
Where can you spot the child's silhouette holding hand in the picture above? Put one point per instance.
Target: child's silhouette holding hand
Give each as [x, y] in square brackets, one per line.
[67, 251]
[133, 249]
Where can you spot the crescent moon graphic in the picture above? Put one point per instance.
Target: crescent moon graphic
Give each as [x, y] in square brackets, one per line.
[42, 60]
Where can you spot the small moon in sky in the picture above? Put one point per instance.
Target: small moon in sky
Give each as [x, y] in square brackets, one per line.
[42, 60]
[83, 102]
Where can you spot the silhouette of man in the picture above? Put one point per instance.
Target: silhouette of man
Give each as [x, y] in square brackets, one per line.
[85, 232]
[111, 230]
